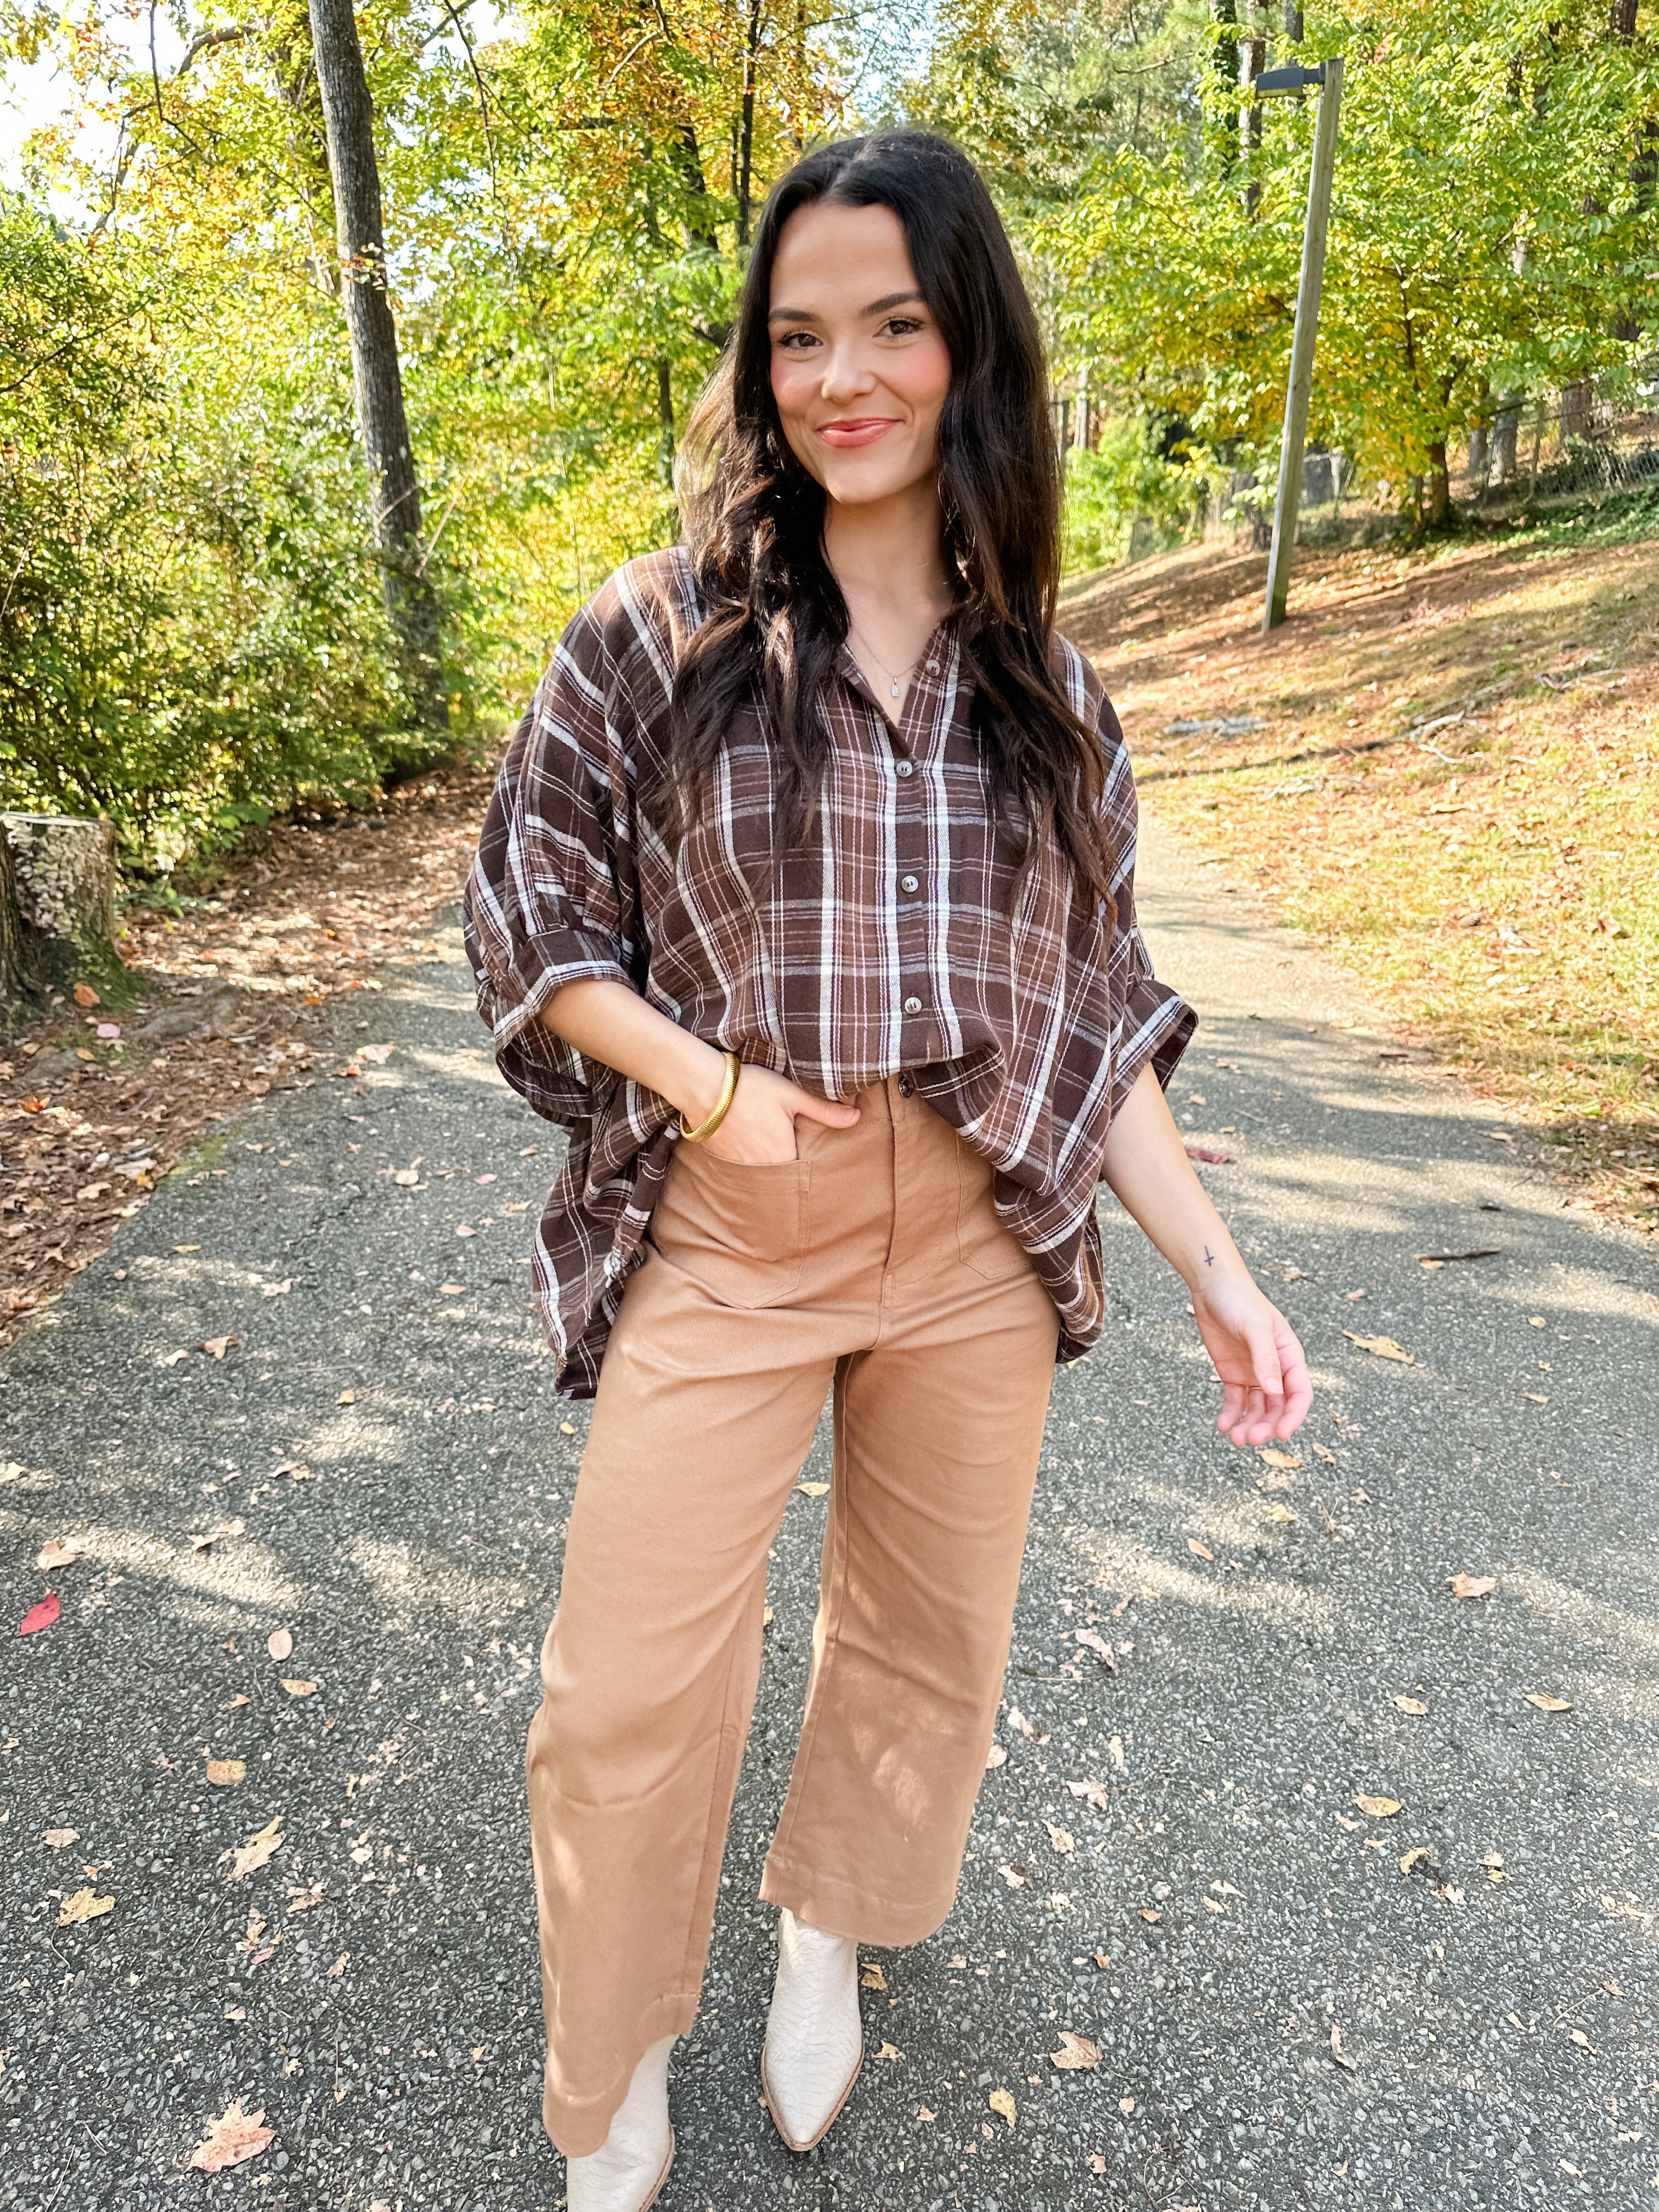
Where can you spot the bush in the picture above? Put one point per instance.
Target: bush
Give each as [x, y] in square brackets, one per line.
[1123, 480]
[192, 632]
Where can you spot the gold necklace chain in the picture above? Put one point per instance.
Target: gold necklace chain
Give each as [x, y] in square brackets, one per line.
[894, 681]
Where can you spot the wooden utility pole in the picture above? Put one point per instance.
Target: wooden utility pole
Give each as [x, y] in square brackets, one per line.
[394, 491]
[1328, 77]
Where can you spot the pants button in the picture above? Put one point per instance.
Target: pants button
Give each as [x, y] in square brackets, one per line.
[907, 1088]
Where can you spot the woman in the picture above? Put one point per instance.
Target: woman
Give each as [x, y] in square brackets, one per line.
[806, 902]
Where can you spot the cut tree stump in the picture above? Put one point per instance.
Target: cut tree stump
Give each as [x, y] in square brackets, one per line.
[20, 947]
[62, 867]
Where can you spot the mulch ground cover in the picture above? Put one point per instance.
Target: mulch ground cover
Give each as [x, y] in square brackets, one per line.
[239, 989]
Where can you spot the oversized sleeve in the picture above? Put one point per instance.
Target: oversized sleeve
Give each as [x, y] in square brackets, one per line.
[1153, 1021]
[553, 894]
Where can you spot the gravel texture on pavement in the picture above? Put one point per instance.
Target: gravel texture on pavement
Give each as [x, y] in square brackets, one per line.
[1347, 1919]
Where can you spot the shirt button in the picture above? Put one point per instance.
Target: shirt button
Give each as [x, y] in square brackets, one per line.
[909, 884]
[933, 668]
[913, 1006]
[907, 1088]
[902, 767]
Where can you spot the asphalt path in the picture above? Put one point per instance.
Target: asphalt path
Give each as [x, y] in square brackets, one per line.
[1284, 2014]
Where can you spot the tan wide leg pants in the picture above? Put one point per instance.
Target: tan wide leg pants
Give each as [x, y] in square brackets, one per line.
[874, 1263]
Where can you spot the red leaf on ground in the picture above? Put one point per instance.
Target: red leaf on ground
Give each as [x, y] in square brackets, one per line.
[1209, 1159]
[40, 1616]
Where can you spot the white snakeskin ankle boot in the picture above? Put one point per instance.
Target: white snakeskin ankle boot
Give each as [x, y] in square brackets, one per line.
[814, 2036]
[627, 2171]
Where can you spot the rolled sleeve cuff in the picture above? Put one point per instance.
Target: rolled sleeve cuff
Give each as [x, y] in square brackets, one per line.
[1157, 1026]
[556, 1078]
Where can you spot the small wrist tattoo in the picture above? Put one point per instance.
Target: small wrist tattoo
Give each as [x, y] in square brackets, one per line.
[1209, 1257]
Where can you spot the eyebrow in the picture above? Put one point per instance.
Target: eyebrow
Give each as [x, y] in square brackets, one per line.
[881, 307]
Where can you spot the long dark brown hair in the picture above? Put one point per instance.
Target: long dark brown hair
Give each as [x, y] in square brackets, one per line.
[775, 619]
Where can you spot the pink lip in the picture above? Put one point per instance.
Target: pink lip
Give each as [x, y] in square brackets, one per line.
[857, 430]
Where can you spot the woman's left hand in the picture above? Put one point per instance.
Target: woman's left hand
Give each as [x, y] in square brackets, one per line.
[1254, 1351]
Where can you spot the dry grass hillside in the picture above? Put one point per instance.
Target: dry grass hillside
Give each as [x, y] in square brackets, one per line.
[1444, 770]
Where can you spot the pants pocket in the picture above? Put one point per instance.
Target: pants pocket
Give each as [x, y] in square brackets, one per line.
[740, 1231]
[984, 1244]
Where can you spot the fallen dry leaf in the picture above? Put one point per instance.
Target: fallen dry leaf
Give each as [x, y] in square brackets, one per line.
[1090, 1791]
[60, 1838]
[1016, 1877]
[1273, 1458]
[217, 1346]
[1114, 1751]
[1329, 1458]
[1096, 2162]
[1473, 1585]
[923, 2113]
[1027, 1728]
[339, 1966]
[1384, 1347]
[1201, 1551]
[407, 1177]
[248, 1858]
[84, 995]
[1410, 1706]
[1092, 1640]
[458, 1291]
[1125, 2103]
[1213, 1905]
[997, 1756]
[1076, 2054]
[1379, 1808]
[297, 1688]
[234, 2138]
[302, 1899]
[1281, 1514]
[85, 1904]
[280, 1644]
[276, 1290]
[1418, 1854]
[890, 2051]
[40, 1616]
[1546, 1703]
[1001, 2100]
[346, 1397]
[1102, 1959]
[1151, 1913]
[814, 1489]
[224, 1772]
[1337, 2051]
[872, 1978]
[54, 1554]
[1059, 1838]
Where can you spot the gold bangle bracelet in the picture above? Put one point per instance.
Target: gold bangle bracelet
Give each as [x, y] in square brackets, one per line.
[706, 1129]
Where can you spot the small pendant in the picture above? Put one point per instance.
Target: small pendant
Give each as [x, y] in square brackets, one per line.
[895, 690]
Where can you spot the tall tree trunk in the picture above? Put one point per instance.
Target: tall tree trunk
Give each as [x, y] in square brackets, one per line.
[393, 487]
[665, 423]
[1252, 60]
[1292, 23]
[1437, 505]
[746, 121]
[1506, 434]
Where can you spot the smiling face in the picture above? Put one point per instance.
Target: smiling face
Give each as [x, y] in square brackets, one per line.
[859, 370]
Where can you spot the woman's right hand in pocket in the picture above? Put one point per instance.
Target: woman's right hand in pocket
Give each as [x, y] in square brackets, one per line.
[759, 1129]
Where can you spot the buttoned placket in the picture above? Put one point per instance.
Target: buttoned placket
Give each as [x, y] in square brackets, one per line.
[920, 1036]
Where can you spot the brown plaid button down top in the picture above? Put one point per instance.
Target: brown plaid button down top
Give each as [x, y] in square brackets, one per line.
[897, 940]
